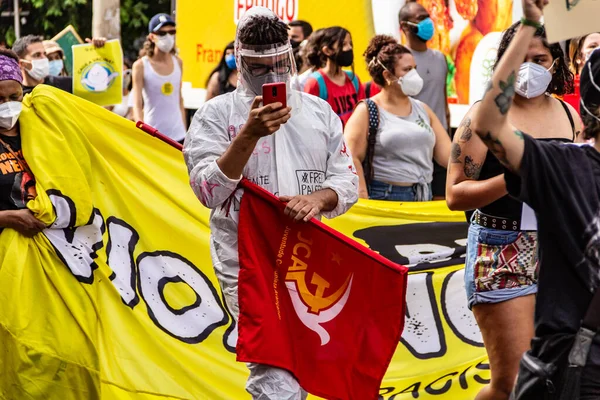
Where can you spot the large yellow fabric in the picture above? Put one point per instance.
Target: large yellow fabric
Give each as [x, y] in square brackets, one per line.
[71, 330]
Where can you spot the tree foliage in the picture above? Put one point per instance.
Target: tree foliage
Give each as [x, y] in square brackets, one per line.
[48, 17]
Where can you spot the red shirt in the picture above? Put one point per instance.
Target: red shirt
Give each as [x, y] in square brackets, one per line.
[373, 90]
[342, 99]
[574, 98]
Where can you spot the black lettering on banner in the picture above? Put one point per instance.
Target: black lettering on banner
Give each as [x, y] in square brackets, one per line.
[231, 334]
[457, 314]
[421, 338]
[162, 283]
[309, 181]
[462, 379]
[484, 367]
[412, 389]
[122, 239]
[195, 323]
[76, 247]
[444, 389]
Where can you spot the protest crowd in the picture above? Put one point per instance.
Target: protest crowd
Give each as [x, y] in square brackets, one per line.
[523, 165]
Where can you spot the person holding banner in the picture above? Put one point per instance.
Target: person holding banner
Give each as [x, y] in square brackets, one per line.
[296, 152]
[501, 268]
[157, 80]
[562, 184]
[17, 185]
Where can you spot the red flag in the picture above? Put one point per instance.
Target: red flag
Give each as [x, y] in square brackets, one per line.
[315, 302]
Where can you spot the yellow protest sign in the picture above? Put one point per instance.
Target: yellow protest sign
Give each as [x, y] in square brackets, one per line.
[118, 298]
[98, 73]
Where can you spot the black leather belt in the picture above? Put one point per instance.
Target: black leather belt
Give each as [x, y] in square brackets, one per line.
[490, 221]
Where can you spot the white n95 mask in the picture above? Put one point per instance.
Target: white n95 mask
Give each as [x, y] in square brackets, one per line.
[166, 43]
[533, 80]
[9, 114]
[411, 83]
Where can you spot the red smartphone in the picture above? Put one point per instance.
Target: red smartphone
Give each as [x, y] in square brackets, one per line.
[274, 93]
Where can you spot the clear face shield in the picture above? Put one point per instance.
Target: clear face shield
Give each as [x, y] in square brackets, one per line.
[263, 64]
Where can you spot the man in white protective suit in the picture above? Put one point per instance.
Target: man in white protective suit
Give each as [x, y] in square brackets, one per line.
[297, 153]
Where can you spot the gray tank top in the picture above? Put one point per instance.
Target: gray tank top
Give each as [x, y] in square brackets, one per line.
[404, 147]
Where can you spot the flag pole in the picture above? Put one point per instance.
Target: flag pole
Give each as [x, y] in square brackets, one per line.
[154, 132]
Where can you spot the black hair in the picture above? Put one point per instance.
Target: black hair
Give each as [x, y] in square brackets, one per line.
[9, 53]
[263, 30]
[591, 124]
[562, 79]
[21, 44]
[222, 69]
[332, 38]
[306, 27]
[386, 49]
[312, 49]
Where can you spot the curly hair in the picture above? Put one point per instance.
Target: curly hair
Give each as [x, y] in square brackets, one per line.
[591, 123]
[562, 79]
[385, 49]
[264, 30]
[575, 53]
[332, 38]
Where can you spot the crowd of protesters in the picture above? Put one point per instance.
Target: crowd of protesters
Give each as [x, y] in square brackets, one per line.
[529, 194]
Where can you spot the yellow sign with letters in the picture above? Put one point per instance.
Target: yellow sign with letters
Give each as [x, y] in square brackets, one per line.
[98, 73]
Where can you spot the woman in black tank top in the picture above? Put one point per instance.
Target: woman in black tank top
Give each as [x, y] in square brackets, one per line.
[501, 263]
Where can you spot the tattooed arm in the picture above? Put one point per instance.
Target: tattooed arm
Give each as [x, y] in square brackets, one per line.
[490, 121]
[464, 190]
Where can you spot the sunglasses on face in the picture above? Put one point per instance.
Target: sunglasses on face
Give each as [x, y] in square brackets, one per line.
[164, 33]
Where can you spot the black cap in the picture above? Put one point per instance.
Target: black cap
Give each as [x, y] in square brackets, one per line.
[160, 20]
[589, 82]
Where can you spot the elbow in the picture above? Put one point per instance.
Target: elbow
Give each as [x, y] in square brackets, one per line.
[454, 201]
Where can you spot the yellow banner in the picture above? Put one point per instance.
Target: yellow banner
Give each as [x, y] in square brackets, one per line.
[118, 298]
[98, 73]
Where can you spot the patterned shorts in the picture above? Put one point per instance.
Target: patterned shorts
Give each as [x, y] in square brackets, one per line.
[500, 265]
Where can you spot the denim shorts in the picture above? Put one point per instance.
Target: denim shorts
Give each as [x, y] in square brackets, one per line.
[384, 191]
[500, 265]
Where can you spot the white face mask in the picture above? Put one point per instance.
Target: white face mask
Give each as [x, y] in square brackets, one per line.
[40, 69]
[533, 80]
[411, 83]
[166, 43]
[9, 114]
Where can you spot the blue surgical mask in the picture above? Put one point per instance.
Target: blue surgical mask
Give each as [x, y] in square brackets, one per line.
[56, 67]
[230, 61]
[425, 29]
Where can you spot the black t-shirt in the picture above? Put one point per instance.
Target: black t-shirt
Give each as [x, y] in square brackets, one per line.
[14, 184]
[562, 184]
[506, 206]
[61, 82]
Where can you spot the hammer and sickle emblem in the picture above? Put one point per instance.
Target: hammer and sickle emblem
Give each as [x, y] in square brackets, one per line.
[316, 302]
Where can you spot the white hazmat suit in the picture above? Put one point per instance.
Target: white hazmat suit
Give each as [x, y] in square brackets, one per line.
[305, 155]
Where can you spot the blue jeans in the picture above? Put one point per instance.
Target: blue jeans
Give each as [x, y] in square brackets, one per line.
[500, 265]
[384, 191]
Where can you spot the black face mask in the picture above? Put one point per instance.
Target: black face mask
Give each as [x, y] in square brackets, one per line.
[345, 58]
[294, 43]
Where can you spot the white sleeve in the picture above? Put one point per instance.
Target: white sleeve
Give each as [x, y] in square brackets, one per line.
[341, 175]
[206, 141]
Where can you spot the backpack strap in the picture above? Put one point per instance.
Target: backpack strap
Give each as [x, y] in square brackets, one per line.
[321, 82]
[373, 128]
[354, 80]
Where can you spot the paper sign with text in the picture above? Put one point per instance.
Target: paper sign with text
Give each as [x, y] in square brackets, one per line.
[566, 19]
[98, 73]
